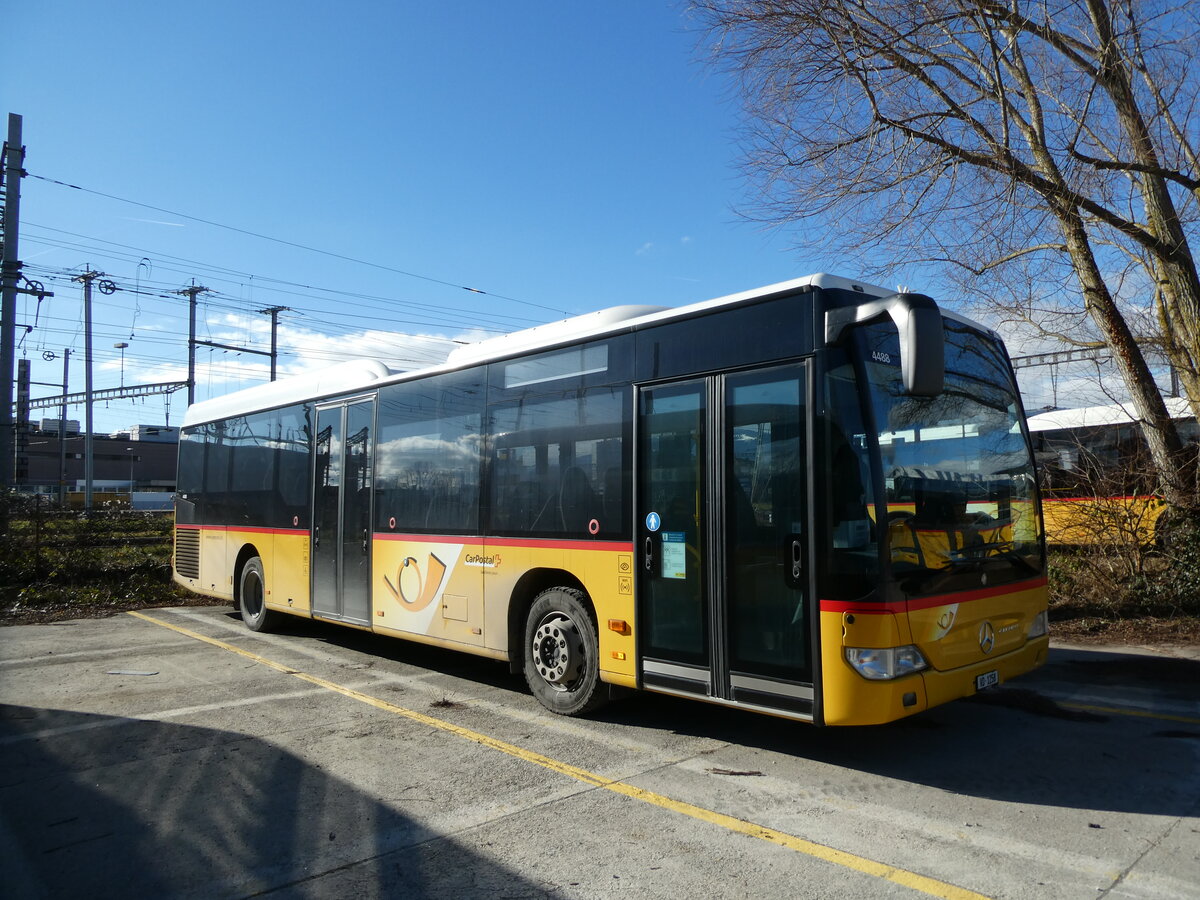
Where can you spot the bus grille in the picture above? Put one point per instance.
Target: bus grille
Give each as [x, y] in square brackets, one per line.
[187, 552]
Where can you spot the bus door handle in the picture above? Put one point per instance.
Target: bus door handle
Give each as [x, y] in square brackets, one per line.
[649, 554]
[365, 541]
[795, 561]
[317, 536]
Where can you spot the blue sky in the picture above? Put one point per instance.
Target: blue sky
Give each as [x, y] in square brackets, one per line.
[560, 156]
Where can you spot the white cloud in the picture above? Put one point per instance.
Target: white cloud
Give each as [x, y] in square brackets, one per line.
[220, 371]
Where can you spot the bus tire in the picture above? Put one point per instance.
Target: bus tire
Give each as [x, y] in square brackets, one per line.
[252, 597]
[562, 653]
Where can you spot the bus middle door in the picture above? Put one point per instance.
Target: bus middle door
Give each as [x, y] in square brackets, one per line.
[342, 477]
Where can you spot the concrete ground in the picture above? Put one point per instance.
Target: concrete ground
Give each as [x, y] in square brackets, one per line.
[177, 754]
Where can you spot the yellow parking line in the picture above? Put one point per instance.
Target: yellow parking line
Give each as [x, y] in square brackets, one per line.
[1128, 711]
[925, 885]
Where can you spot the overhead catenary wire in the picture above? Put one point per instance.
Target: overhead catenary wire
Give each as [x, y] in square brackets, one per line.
[296, 245]
[493, 322]
[213, 272]
[230, 314]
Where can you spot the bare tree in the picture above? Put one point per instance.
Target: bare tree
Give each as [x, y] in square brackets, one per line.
[1056, 141]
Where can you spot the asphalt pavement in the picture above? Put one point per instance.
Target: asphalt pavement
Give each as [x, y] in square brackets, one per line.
[173, 753]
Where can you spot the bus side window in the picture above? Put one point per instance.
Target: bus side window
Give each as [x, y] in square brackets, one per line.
[427, 456]
[553, 469]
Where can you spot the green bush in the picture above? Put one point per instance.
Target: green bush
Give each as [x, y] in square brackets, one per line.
[1098, 581]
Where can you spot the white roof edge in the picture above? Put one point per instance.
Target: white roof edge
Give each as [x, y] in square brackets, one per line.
[1095, 416]
[364, 373]
[618, 318]
[551, 333]
[347, 376]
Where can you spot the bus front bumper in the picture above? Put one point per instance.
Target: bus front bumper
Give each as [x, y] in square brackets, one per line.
[853, 700]
[966, 681]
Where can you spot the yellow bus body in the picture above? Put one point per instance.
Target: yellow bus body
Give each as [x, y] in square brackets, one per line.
[946, 630]
[455, 592]
[448, 591]
[1084, 521]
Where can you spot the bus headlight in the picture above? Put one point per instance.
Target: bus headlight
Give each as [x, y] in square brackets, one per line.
[886, 663]
[1040, 625]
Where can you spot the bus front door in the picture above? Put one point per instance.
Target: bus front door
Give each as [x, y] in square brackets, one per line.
[722, 529]
[341, 551]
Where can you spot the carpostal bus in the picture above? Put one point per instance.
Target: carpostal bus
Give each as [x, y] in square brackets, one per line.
[1097, 481]
[815, 500]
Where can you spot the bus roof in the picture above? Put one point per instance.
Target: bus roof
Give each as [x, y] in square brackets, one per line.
[368, 373]
[1098, 416]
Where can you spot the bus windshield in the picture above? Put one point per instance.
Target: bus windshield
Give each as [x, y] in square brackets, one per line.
[958, 489]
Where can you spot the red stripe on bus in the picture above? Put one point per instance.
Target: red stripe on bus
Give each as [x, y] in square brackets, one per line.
[536, 543]
[550, 544]
[903, 606]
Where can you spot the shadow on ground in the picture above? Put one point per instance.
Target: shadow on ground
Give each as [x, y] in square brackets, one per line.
[98, 806]
[1014, 744]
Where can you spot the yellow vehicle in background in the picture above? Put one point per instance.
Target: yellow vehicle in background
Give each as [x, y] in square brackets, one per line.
[1096, 482]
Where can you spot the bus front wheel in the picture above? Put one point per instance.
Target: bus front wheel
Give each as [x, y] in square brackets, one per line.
[252, 597]
[562, 653]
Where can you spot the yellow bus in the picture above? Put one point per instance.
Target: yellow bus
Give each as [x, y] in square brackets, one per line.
[677, 500]
[1097, 480]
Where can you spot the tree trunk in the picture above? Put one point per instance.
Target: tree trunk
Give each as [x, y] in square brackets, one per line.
[1174, 266]
[1162, 437]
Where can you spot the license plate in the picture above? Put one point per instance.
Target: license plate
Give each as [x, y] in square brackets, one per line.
[987, 680]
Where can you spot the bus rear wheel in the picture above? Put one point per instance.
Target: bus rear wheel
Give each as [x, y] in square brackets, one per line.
[562, 653]
[252, 597]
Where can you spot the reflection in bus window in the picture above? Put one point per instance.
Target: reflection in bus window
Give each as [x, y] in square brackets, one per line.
[959, 483]
[852, 547]
[557, 464]
[766, 508]
[427, 469]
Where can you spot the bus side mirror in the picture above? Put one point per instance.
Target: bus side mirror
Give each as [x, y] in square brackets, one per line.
[922, 337]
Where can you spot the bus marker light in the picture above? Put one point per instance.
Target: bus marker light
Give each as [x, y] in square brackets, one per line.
[620, 626]
[618, 654]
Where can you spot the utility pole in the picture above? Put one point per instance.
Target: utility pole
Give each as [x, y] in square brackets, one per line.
[10, 275]
[191, 293]
[21, 442]
[62, 432]
[273, 312]
[87, 278]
